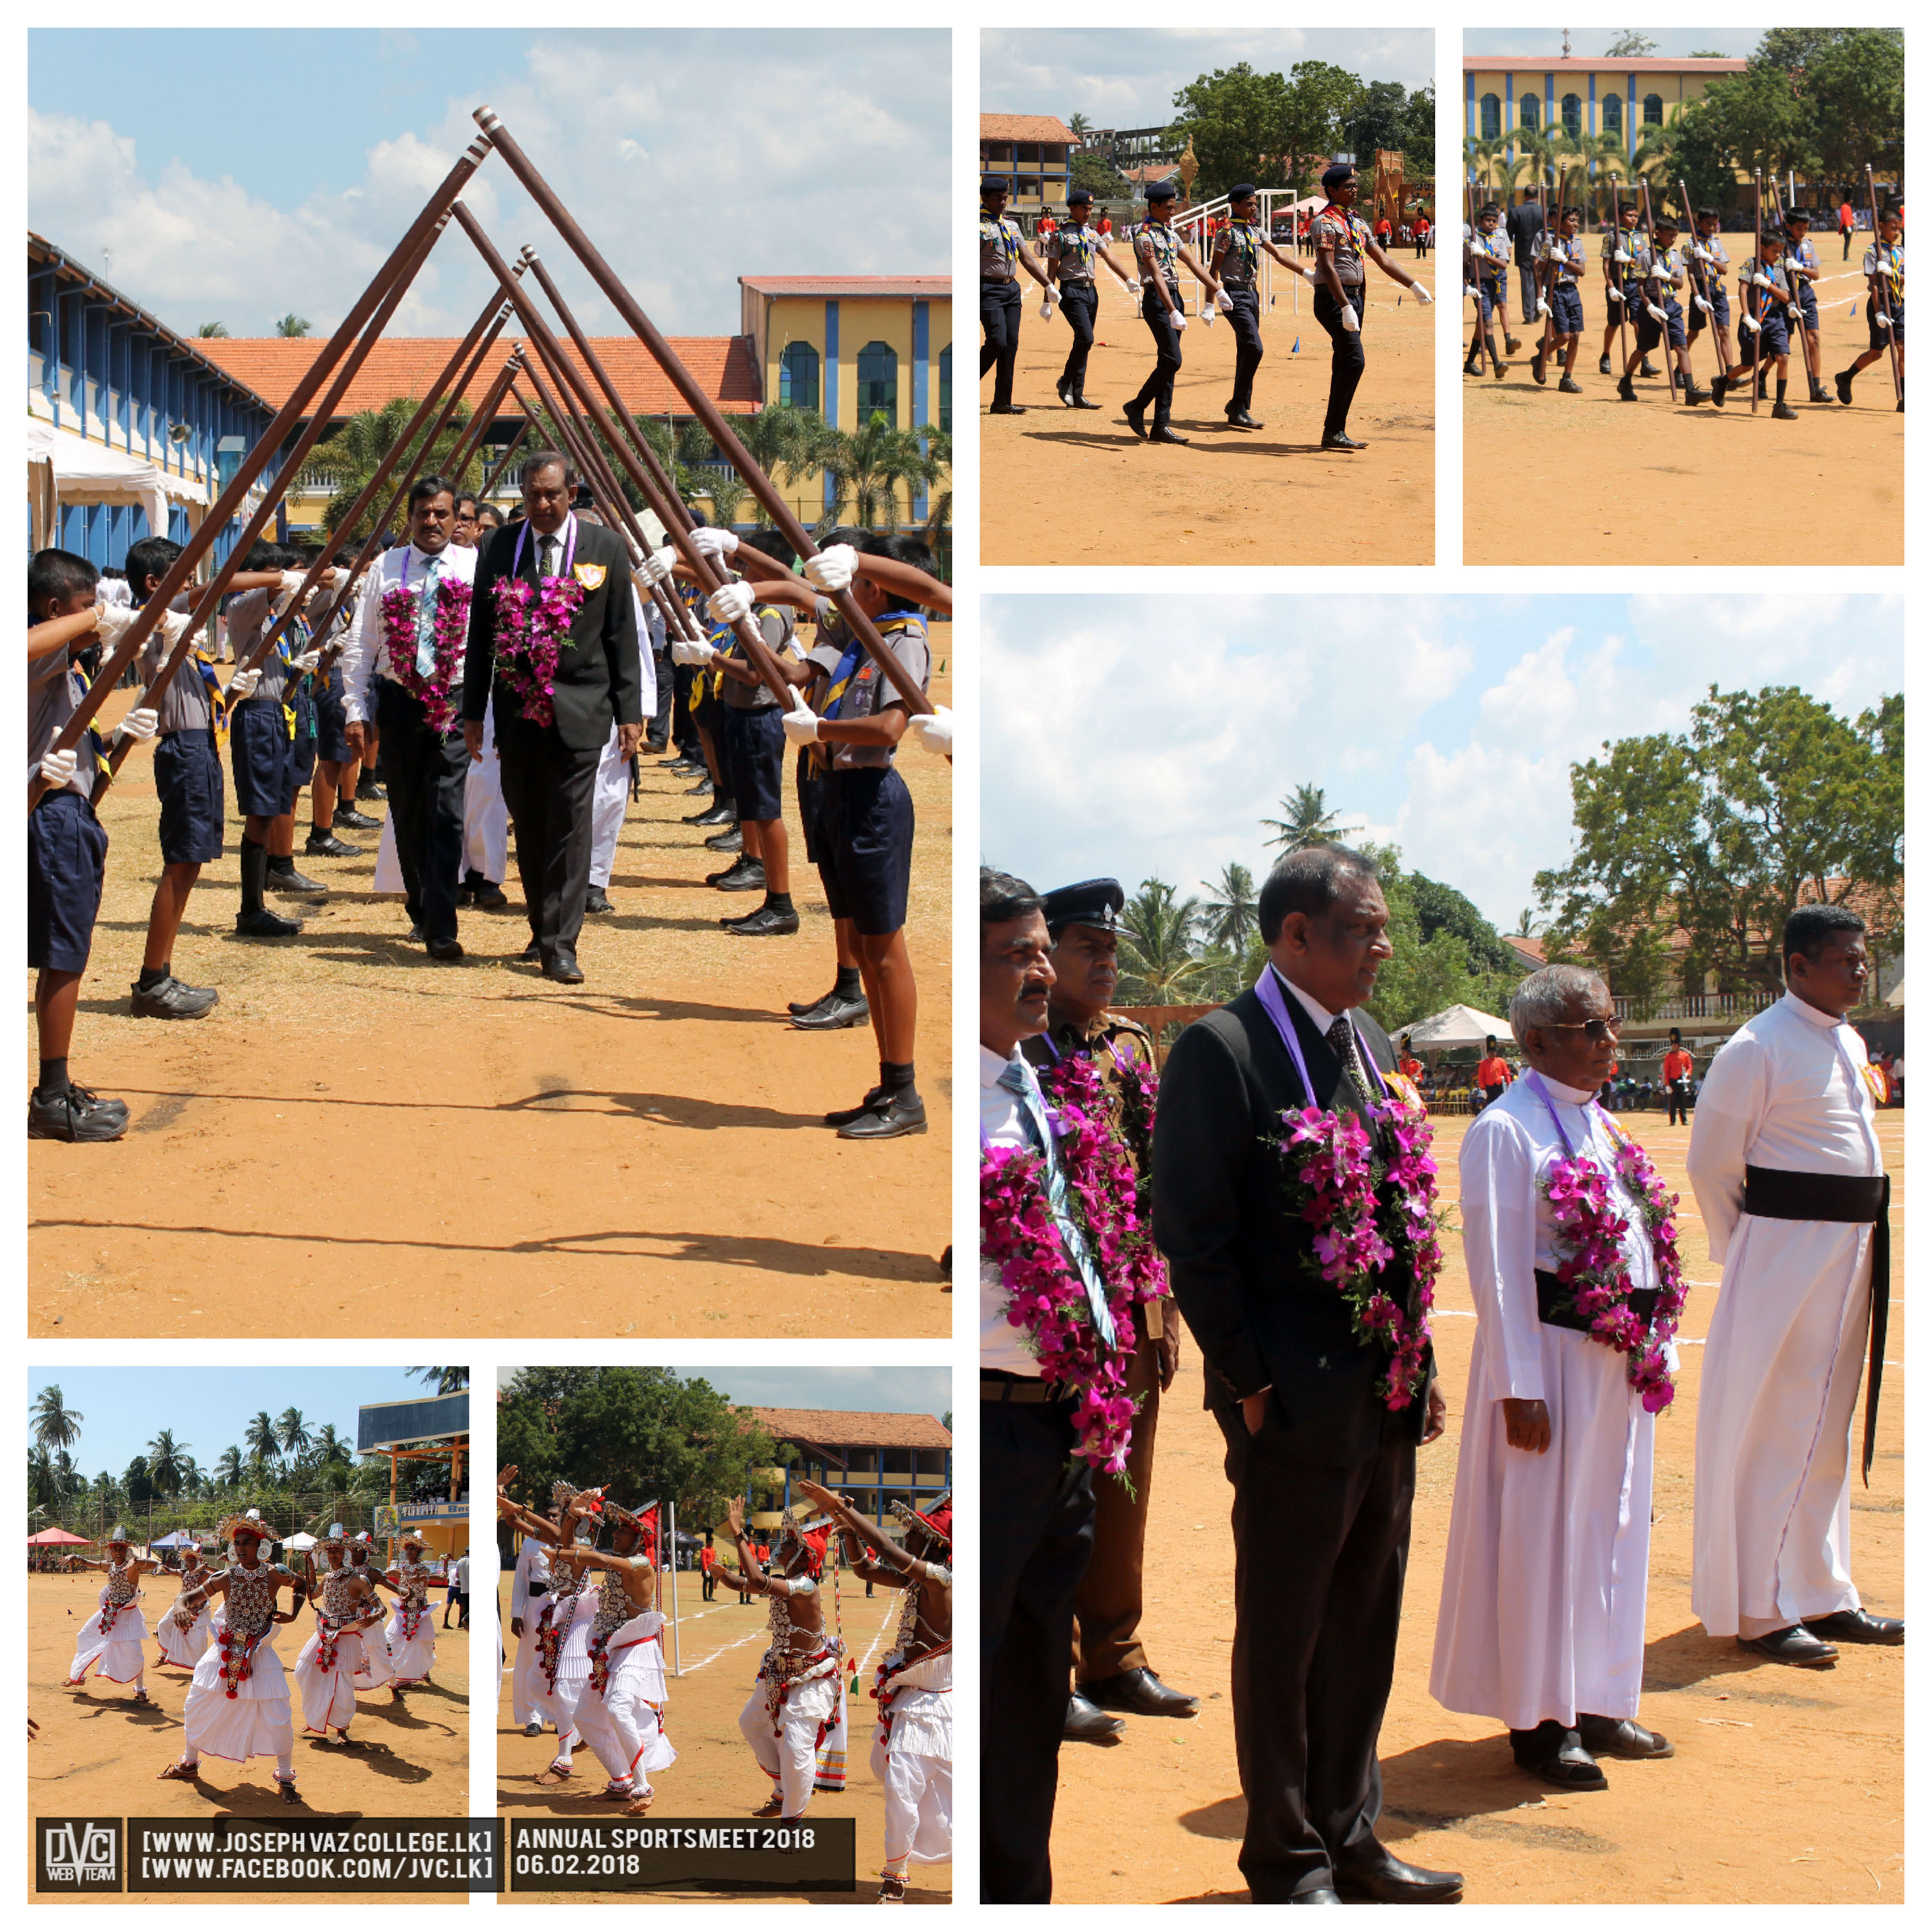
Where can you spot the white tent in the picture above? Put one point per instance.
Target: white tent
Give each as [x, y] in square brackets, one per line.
[85, 471]
[1455, 1026]
[301, 1539]
[1896, 998]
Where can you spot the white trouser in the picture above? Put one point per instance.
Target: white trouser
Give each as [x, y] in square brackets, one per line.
[612, 795]
[486, 818]
[791, 1758]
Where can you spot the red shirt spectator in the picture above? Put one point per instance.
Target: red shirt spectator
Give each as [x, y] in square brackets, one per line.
[1492, 1070]
[1678, 1064]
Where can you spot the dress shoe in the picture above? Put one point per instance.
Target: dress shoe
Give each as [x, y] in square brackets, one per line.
[1794, 1644]
[1317, 1895]
[366, 787]
[417, 935]
[1646, 370]
[1857, 1627]
[840, 1115]
[1369, 1874]
[1842, 383]
[1720, 387]
[724, 812]
[731, 839]
[1342, 441]
[748, 875]
[348, 819]
[831, 1013]
[562, 967]
[444, 949]
[738, 866]
[73, 1114]
[1160, 433]
[1622, 1737]
[1061, 390]
[1007, 410]
[1510, 344]
[487, 896]
[534, 952]
[704, 788]
[1241, 419]
[597, 900]
[1087, 1723]
[903, 1114]
[290, 881]
[326, 845]
[1536, 369]
[1141, 1692]
[1499, 368]
[1626, 389]
[1693, 395]
[1783, 413]
[168, 999]
[1555, 1754]
[1080, 402]
[1136, 416]
[1603, 365]
[675, 759]
[767, 922]
[1819, 394]
[263, 924]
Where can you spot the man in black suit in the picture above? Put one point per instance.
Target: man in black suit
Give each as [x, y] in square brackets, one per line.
[550, 771]
[1525, 223]
[1324, 1472]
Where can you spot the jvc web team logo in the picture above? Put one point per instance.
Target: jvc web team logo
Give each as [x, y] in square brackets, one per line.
[80, 1855]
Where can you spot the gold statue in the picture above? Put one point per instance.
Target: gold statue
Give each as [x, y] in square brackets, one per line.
[1190, 167]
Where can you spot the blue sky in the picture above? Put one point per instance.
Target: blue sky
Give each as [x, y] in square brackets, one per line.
[1127, 77]
[180, 163]
[890, 1391]
[1591, 43]
[207, 1408]
[1446, 725]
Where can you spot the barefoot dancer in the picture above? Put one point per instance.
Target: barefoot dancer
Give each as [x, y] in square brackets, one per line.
[110, 1640]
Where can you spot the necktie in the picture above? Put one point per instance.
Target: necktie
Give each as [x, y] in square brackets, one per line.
[426, 618]
[546, 564]
[1018, 1078]
[1342, 1037]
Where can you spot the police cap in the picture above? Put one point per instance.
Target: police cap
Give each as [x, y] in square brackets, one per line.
[1092, 902]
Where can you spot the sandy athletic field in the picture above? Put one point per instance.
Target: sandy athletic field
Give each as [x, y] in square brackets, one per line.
[715, 1775]
[99, 1753]
[1655, 482]
[1061, 486]
[360, 1141]
[1787, 1787]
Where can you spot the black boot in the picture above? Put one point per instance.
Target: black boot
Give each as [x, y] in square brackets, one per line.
[254, 921]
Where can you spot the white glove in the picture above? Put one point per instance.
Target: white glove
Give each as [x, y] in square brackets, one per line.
[307, 661]
[1422, 295]
[833, 569]
[114, 590]
[1626, 260]
[1700, 254]
[112, 622]
[1749, 322]
[1704, 305]
[714, 543]
[1179, 319]
[932, 732]
[1654, 311]
[1207, 317]
[1049, 294]
[729, 602]
[242, 686]
[1610, 290]
[1350, 322]
[1045, 309]
[57, 767]
[655, 568]
[692, 651]
[1224, 301]
[801, 722]
[1759, 279]
[1879, 317]
[174, 623]
[139, 725]
[1542, 306]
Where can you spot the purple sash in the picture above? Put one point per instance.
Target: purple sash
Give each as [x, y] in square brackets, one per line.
[1268, 991]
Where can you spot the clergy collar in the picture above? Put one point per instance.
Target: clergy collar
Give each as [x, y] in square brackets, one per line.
[991, 1066]
[1805, 1010]
[1574, 1096]
[1323, 1018]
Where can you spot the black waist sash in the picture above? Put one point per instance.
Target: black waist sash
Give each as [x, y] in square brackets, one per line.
[1555, 1308]
[1781, 1194]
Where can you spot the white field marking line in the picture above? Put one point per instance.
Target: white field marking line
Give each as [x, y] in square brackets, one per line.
[741, 1641]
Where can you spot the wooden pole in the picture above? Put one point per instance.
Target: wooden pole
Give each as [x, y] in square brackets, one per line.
[1883, 298]
[720, 431]
[1623, 279]
[1670, 354]
[1702, 281]
[1797, 285]
[1757, 304]
[229, 504]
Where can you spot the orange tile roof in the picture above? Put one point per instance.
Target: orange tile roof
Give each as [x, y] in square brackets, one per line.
[406, 365]
[1026, 127]
[924, 287]
[841, 1426]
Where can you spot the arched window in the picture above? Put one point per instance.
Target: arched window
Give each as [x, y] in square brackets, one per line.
[1573, 116]
[878, 384]
[798, 377]
[1492, 117]
[1653, 110]
[1613, 114]
[946, 389]
[1532, 111]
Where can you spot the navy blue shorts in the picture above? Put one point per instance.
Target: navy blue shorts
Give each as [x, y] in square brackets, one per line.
[1714, 293]
[1489, 298]
[67, 860]
[865, 831]
[705, 706]
[1650, 331]
[302, 751]
[752, 755]
[261, 758]
[1773, 338]
[1808, 300]
[188, 777]
[811, 803]
[1880, 337]
[1566, 307]
[331, 723]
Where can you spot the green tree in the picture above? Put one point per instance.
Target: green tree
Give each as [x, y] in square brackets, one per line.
[292, 1434]
[1159, 966]
[1229, 920]
[442, 1381]
[292, 324]
[138, 1483]
[1377, 117]
[353, 452]
[56, 1426]
[1238, 121]
[1432, 967]
[1480, 160]
[170, 1468]
[333, 1451]
[1077, 125]
[211, 331]
[869, 467]
[1305, 821]
[1320, 97]
[1100, 178]
[228, 1467]
[1630, 45]
[1441, 908]
[264, 1448]
[1418, 134]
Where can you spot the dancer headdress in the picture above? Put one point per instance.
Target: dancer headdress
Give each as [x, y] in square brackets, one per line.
[118, 1534]
[937, 1522]
[813, 1533]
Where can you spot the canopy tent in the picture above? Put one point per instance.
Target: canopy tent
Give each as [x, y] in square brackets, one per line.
[301, 1539]
[179, 1539]
[84, 472]
[50, 1538]
[1455, 1026]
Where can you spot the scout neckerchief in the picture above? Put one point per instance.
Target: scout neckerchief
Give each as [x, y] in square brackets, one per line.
[897, 625]
[1166, 245]
[1002, 229]
[1889, 258]
[1078, 244]
[1356, 232]
[1243, 245]
[1487, 239]
[298, 630]
[77, 675]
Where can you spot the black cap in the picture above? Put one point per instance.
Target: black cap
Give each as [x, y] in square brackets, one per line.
[1092, 902]
[1160, 191]
[994, 184]
[1241, 192]
[1080, 197]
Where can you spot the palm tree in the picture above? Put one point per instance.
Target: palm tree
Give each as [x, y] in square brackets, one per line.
[170, 1468]
[332, 1450]
[1481, 158]
[228, 1467]
[263, 1449]
[292, 324]
[1604, 155]
[56, 1426]
[444, 1382]
[1078, 124]
[1158, 967]
[347, 458]
[292, 1432]
[1651, 161]
[211, 330]
[939, 448]
[1526, 923]
[1538, 147]
[1308, 821]
[1228, 920]
[700, 458]
[868, 466]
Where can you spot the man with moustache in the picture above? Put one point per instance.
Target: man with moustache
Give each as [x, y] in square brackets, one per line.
[1110, 1669]
[1323, 1468]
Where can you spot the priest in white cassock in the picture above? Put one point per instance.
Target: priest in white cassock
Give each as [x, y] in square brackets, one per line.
[1791, 1183]
[530, 1579]
[1541, 1623]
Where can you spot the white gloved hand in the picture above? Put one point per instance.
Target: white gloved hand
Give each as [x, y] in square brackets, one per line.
[1350, 322]
[1652, 309]
[833, 569]
[140, 725]
[292, 581]
[1610, 292]
[1749, 322]
[714, 543]
[1045, 309]
[307, 661]
[112, 621]
[932, 732]
[1704, 305]
[1224, 301]
[242, 686]
[173, 624]
[692, 651]
[1624, 256]
[1760, 280]
[655, 569]
[1207, 317]
[1049, 294]
[1700, 254]
[1179, 320]
[729, 602]
[801, 722]
[1879, 317]
[57, 767]
[1542, 306]
[1422, 295]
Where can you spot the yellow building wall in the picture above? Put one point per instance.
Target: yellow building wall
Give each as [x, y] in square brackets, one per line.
[1676, 91]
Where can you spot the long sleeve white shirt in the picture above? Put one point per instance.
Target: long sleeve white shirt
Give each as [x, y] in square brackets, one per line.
[365, 651]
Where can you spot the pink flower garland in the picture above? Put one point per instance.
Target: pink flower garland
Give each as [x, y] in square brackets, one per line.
[449, 630]
[1592, 1230]
[1331, 1186]
[1048, 1300]
[533, 633]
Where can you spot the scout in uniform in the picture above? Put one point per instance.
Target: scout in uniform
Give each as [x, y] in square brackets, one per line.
[1486, 262]
[1564, 252]
[1236, 266]
[1768, 304]
[1157, 256]
[1343, 246]
[1069, 260]
[1110, 1669]
[1003, 253]
[1885, 305]
[1800, 263]
[1659, 316]
[1618, 262]
[1710, 298]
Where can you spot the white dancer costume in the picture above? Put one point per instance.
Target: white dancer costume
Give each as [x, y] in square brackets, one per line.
[110, 1640]
[182, 1644]
[1543, 1585]
[411, 1630]
[553, 1661]
[373, 1672]
[238, 1705]
[794, 1721]
[620, 1714]
[532, 1566]
[912, 1749]
[325, 1668]
[611, 794]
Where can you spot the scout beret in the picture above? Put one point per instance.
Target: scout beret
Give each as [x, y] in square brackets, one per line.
[993, 184]
[1092, 902]
[1160, 191]
[1241, 192]
[1078, 196]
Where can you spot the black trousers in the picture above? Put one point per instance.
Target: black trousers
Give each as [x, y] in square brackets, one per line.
[1158, 389]
[658, 735]
[1000, 317]
[1080, 303]
[427, 769]
[1244, 318]
[683, 726]
[1319, 1557]
[1345, 371]
[1037, 1533]
[1678, 1093]
[548, 788]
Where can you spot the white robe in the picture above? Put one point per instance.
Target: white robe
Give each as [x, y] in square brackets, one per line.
[486, 824]
[612, 794]
[411, 1658]
[1544, 1578]
[1785, 1351]
[117, 1657]
[624, 1725]
[181, 1649]
[256, 1722]
[557, 1703]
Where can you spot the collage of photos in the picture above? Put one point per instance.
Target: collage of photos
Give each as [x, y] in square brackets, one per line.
[1418, 619]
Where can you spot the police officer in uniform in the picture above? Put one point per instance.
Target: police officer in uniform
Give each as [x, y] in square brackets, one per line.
[1069, 260]
[1111, 1669]
[1158, 255]
[1236, 266]
[1003, 252]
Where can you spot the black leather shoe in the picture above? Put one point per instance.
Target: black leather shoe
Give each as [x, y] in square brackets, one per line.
[1241, 419]
[723, 813]
[832, 1013]
[1537, 372]
[1317, 1895]
[1842, 383]
[366, 787]
[704, 788]
[748, 875]
[902, 1115]
[1783, 413]
[1626, 390]
[1142, 1692]
[795, 1007]
[1556, 1755]
[1857, 1627]
[1087, 1723]
[168, 999]
[1136, 416]
[1646, 370]
[263, 924]
[1160, 433]
[1622, 1737]
[1571, 387]
[767, 922]
[417, 935]
[1060, 390]
[840, 1115]
[561, 966]
[732, 839]
[348, 819]
[534, 952]
[444, 949]
[1343, 441]
[1794, 1644]
[1371, 1874]
[598, 900]
[1007, 410]
[326, 845]
[1603, 365]
[1082, 403]
[292, 881]
[73, 1114]
[488, 897]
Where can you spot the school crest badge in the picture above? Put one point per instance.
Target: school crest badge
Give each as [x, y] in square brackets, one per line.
[590, 575]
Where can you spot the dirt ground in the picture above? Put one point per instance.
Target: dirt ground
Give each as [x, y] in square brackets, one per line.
[1059, 487]
[1657, 483]
[98, 1752]
[409, 1145]
[715, 1775]
[1787, 1787]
